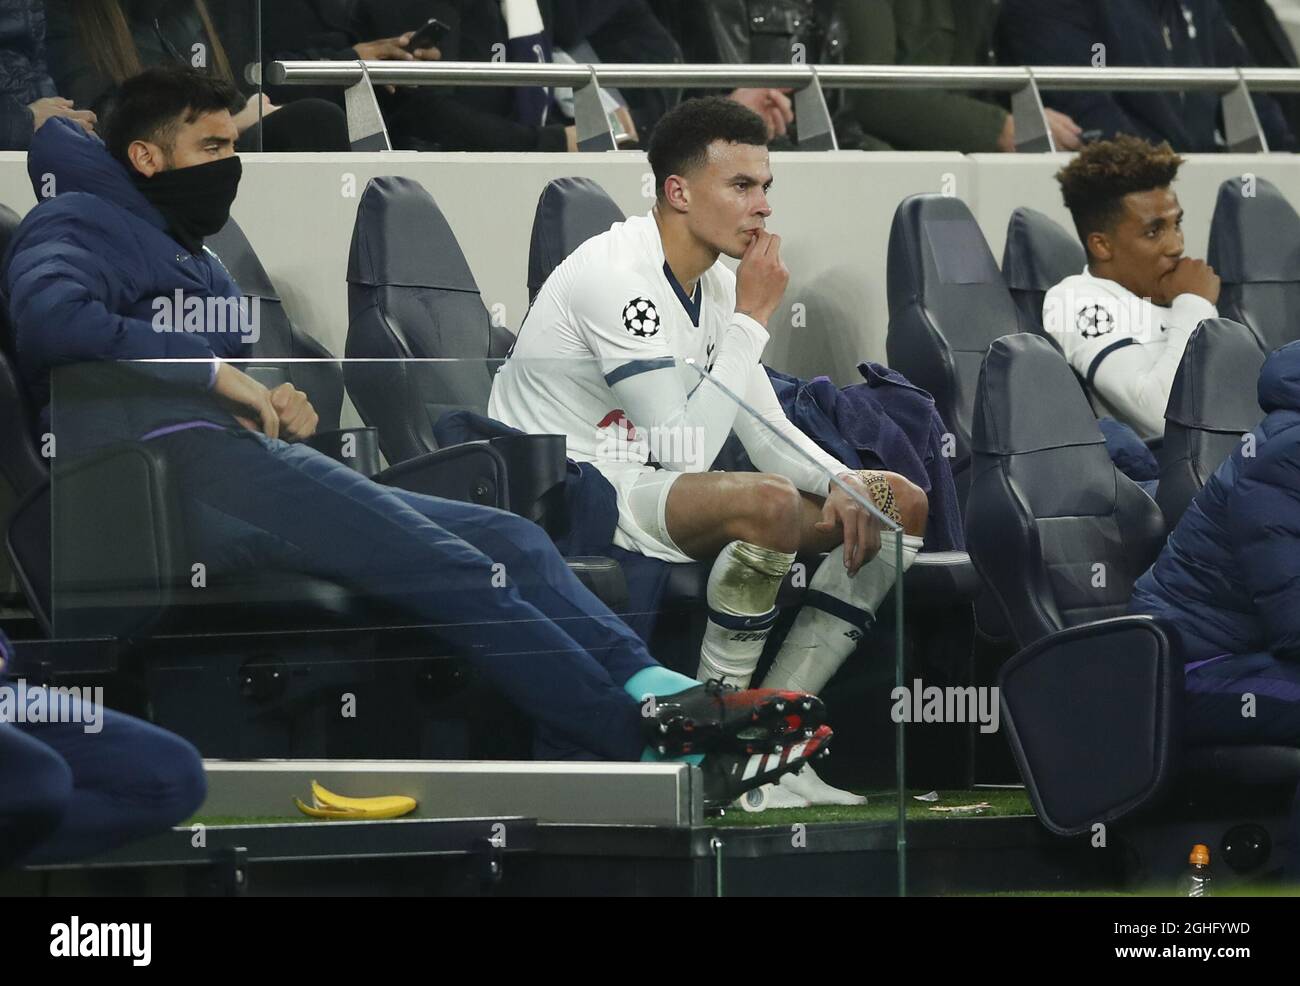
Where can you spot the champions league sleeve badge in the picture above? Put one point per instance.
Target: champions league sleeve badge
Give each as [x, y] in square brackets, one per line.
[1094, 320]
[641, 318]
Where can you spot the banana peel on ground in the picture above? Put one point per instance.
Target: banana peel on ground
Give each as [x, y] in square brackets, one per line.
[327, 804]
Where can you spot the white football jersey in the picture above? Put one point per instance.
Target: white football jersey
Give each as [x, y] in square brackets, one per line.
[1126, 348]
[605, 358]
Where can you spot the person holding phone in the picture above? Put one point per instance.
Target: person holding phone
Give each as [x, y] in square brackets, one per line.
[28, 96]
[95, 45]
[419, 118]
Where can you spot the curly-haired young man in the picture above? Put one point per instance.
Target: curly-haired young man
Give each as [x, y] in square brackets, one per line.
[1124, 321]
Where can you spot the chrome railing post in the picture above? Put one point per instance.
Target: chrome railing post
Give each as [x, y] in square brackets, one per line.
[366, 130]
[594, 133]
[813, 118]
[1241, 130]
[1033, 134]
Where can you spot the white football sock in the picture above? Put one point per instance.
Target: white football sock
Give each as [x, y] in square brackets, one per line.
[807, 785]
[742, 608]
[835, 614]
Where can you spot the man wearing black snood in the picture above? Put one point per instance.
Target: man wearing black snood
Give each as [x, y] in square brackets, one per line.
[195, 199]
[89, 271]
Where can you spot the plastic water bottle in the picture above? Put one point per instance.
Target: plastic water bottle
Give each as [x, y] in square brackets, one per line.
[1197, 881]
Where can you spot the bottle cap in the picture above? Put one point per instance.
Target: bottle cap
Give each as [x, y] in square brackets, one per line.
[1200, 855]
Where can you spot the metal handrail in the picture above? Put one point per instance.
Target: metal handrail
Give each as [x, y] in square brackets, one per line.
[996, 78]
[1242, 131]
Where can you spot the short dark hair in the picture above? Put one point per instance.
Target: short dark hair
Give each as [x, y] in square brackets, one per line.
[682, 136]
[1095, 182]
[152, 105]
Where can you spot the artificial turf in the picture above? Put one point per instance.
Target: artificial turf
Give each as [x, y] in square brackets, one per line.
[881, 806]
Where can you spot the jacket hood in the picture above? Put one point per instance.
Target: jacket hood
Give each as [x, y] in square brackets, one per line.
[1279, 380]
[79, 162]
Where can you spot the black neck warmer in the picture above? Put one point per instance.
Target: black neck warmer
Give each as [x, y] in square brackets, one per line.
[195, 201]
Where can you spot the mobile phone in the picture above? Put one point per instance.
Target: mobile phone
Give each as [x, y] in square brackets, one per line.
[429, 35]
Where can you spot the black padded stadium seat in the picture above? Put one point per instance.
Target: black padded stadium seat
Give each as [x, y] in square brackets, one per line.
[570, 211]
[279, 338]
[1046, 505]
[1255, 250]
[1211, 405]
[1092, 704]
[1039, 254]
[294, 357]
[21, 466]
[1059, 535]
[9, 223]
[412, 297]
[947, 303]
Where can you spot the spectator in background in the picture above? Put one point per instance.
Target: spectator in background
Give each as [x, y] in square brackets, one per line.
[95, 45]
[29, 94]
[1146, 33]
[867, 32]
[932, 32]
[316, 30]
[723, 31]
[1266, 40]
[622, 31]
[484, 118]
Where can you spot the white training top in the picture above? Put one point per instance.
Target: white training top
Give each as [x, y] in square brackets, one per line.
[602, 358]
[1126, 348]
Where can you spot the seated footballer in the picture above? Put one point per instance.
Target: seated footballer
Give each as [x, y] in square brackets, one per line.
[608, 356]
[1124, 321]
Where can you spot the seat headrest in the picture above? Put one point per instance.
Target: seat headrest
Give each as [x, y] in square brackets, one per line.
[1040, 253]
[1214, 389]
[1254, 237]
[402, 238]
[935, 240]
[233, 249]
[570, 211]
[1023, 374]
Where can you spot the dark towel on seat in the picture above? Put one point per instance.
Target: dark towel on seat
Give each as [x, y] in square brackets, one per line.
[886, 423]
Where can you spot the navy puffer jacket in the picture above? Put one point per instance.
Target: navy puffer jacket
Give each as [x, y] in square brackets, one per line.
[84, 280]
[1228, 580]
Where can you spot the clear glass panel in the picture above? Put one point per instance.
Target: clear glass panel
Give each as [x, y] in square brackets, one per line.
[349, 599]
[866, 606]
